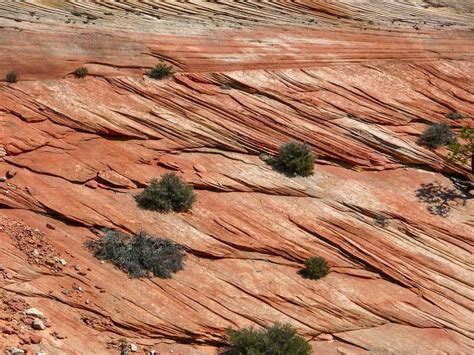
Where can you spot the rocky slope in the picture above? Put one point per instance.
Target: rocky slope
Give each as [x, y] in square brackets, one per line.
[358, 81]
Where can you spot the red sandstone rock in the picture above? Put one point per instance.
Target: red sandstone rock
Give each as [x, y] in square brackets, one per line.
[354, 81]
[35, 338]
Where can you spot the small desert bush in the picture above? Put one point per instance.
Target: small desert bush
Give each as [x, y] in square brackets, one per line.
[170, 193]
[381, 220]
[277, 339]
[81, 72]
[454, 115]
[436, 135]
[12, 77]
[160, 71]
[315, 268]
[141, 255]
[294, 159]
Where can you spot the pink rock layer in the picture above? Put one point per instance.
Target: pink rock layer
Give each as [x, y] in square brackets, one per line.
[357, 81]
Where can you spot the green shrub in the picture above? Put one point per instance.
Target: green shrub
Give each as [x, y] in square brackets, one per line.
[170, 193]
[436, 135]
[139, 256]
[278, 339]
[160, 71]
[12, 77]
[454, 115]
[81, 72]
[316, 267]
[381, 220]
[462, 151]
[294, 159]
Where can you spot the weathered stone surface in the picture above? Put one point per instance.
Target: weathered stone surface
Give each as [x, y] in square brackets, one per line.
[38, 324]
[34, 313]
[353, 80]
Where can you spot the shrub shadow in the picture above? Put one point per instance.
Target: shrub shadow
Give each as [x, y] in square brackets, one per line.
[441, 199]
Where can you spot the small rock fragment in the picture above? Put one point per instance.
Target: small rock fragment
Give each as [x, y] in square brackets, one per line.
[10, 174]
[36, 338]
[7, 330]
[58, 336]
[50, 226]
[62, 262]
[34, 313]
[28, 321]
[49, 262]
[38, 324]
[133, 348]
[92, 184]
[11, 350]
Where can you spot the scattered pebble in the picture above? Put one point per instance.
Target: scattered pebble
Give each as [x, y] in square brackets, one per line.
[49, 262]
[133, 348]
[10, 174]
[50, 226]
[34, 313]
[36, 338]
[11, 350]
[38, 324]
[58, 336]
[7, 330]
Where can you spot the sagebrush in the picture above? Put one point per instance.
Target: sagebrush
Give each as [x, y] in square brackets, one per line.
[160, 71]
[294, 159]
[12, 77]
[315, 268]
[381, 220]
[454, 115]
[81, 72]
[141, 255]
[436, 135]
[170, 193]
[277, 339]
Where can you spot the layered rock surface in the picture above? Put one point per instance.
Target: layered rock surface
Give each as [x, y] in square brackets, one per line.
[357, 81]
